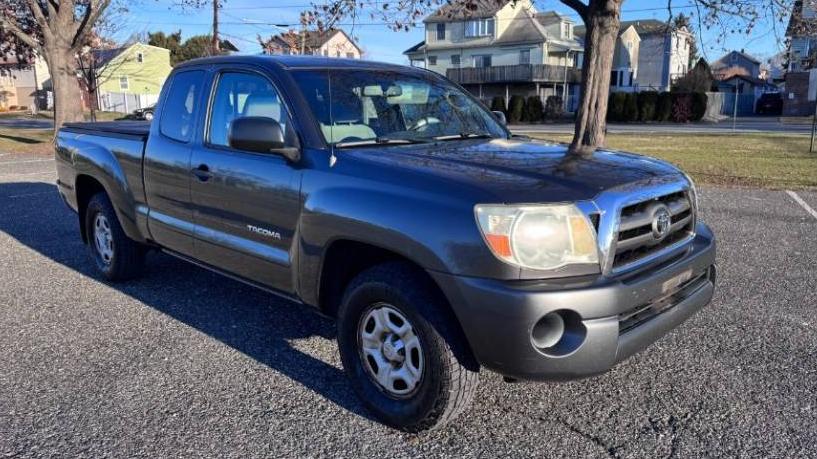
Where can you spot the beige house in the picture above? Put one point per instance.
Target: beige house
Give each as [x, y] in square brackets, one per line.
[23, 86]
[332, 43]
[649, 55]
[502, 49]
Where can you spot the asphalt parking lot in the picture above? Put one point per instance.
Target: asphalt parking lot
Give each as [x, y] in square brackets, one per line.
[185, 363]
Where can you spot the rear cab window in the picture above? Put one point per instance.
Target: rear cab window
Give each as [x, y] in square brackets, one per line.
[178, 112]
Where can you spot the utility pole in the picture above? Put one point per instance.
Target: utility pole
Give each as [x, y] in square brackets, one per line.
[216, 42]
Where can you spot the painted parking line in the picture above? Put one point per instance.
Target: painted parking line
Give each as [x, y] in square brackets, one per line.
[802, 203]
[27, 195]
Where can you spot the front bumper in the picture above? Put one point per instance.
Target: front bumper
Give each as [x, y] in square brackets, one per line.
[498, 317]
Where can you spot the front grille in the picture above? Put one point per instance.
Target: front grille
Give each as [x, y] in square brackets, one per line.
[636, 239]
[638, 315]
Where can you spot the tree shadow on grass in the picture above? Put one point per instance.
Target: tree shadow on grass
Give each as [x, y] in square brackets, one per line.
[26, 140]
[255, 323]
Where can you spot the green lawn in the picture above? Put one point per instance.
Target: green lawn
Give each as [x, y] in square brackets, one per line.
[767, 160]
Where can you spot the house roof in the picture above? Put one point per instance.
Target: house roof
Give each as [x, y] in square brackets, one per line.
[313, 38]
[104, 56]
[552, 17]
[801, 24]
[642, 26]
[751, 80]
[724, 60]
[415, 48]
[525, 29]
[458, 11]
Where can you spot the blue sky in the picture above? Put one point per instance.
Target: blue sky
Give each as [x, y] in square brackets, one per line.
[242, 20]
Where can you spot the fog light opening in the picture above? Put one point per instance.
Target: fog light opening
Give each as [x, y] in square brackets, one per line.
[559, 333]
[548, 331]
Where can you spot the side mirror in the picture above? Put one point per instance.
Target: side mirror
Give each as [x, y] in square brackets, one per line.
[260, 134]
[500, 117]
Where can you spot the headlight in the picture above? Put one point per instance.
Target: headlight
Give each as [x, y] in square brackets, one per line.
[538, 237]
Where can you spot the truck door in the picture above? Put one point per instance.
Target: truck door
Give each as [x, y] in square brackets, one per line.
[246, 205]
[167, 163]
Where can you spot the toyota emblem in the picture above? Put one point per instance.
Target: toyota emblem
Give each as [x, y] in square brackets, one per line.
[661, 223]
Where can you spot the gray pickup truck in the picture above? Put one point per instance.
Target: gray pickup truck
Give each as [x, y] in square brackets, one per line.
[388, 198]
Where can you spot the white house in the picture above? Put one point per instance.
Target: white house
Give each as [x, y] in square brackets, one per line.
[650, 55]
[502, 49]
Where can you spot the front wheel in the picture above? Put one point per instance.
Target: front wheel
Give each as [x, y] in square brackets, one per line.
[116, 255]
[402, 350]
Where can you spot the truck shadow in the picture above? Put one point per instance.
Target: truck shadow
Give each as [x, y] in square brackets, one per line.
[253, 322]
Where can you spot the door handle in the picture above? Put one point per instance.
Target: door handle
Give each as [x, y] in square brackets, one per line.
[202, 172]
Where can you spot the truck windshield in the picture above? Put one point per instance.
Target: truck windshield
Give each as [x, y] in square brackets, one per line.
[368, 107]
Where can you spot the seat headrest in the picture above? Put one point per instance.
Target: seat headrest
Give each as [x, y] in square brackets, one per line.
[264, 104]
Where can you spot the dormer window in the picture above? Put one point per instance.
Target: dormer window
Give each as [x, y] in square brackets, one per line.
[567, 31]
[479, 28]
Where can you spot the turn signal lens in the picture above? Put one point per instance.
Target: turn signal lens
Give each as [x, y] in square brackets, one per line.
[538, 237]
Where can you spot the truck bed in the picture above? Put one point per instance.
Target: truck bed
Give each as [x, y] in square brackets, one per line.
[111, 128]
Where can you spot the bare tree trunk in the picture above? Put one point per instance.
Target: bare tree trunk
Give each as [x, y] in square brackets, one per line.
[67, 93]
[603, 20]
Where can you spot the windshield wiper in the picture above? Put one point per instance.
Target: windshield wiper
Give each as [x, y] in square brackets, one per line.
[465, 135]
[379, 141]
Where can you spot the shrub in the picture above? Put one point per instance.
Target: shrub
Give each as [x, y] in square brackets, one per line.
[615, 109]
[14, 108]
[534, 111]
[647, 105]
[553, 108]
[663, 110]
[699, 100]
[630, 107]
[516, 109]
[498, 105]
[681, 107]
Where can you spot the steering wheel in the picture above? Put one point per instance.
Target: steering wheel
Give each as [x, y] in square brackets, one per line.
[423, 123]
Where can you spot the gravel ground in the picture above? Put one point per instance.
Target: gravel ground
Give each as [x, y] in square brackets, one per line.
[186, 363]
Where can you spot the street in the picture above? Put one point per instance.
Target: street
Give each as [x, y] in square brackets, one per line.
[757, 125]
[187, 363]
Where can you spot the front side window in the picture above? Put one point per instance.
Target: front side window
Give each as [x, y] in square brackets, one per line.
[124, 84]
[241, 95]
[387, 107]
[524, 56]
[177, 115]
[432, 60]
[455, 59]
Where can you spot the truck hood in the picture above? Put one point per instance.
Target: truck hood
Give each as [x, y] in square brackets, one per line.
[520, 170]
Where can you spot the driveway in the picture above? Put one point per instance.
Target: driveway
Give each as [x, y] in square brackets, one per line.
[186, 363]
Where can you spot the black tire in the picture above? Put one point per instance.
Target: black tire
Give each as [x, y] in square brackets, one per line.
[128, 256]
[450, 374]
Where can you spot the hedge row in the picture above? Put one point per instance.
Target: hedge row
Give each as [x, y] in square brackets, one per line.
[528, 110]
[655, 106]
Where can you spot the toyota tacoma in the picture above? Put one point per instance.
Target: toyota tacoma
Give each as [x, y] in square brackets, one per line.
[390, 199]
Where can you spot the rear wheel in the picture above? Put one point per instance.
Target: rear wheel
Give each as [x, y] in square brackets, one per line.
[402, 350]
[116, 255]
